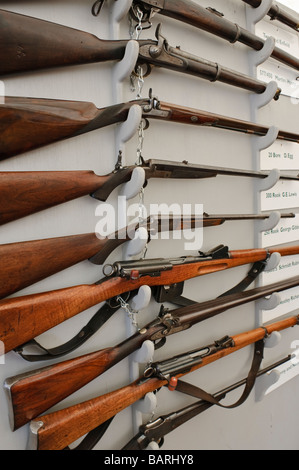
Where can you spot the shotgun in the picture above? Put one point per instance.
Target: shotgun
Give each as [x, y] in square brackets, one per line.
[57, 430]
[277, 12]
[154, 431]
[35, 191]
[208, 20]
[26, 317]
[55, 382]
[30, 123]
[34, 44]
[52, 255]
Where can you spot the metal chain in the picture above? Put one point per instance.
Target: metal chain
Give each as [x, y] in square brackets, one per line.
[137, 30]
[130, 312]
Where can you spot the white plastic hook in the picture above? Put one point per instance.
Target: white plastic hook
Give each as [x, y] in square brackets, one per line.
[254, 15]
[270, 222]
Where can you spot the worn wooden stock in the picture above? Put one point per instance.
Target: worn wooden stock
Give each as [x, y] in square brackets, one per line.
[23, 318]
[194, 14]
[57, 430]
[57, 381]
[34, 44]
[30, 123]
[277, 12]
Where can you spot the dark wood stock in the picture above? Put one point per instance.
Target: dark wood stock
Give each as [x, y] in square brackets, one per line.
[277, 12]
[36, 191]
[33, 44]
[30, 123]
[194, 14]
[23, 318]
[59, 429]
[57, 381]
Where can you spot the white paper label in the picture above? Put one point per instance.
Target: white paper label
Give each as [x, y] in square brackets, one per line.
[272, 70]
[287, 267]
[285, 40]
[287, 371]
[284, 195]
[287, 230]
[280, 155]
[289, 301]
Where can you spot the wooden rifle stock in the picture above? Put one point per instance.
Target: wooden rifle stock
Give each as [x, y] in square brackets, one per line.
[34, 44]
[57, 430]
[30, 123]
[56, 382]
[23, 318]
[277, 12]
[212, 22]
[49, 256]
[38, 190]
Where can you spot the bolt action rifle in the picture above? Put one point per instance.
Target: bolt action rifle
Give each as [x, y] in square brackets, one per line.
[154, 431]
[34, 44]
[55, 382]
[277, 12]
[208, 20]
[57, 430]
[30, 123]
[35, 191]
[26, 317]
[52, 255]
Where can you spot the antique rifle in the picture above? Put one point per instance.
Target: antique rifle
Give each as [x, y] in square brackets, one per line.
[154, 431]
[209, 20]
[35, 191]
[57, 430]
[25, 317]
[30, 123]
[52, 255]
[55, 382]
[34, 44]
[277, 12]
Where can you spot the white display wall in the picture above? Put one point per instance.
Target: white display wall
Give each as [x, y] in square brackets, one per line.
[268, 419]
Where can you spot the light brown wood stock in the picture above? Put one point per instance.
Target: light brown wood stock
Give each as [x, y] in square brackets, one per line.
[23, 318]
[59, 429]
[53, 382]
[26, 263]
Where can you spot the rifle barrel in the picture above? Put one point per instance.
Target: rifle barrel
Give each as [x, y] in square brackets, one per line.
[45, 121]
[277, 12]
[57, 430]
[77, 372]
[212, 22]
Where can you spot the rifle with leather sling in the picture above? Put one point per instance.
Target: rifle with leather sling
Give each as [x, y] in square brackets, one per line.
[35, 191]
[26, 317]
[52, 255]
[208, 20]
[49, 45]
[57, 430]
[30, 123]
[277, 12]
[154, 431]
[55, 382]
